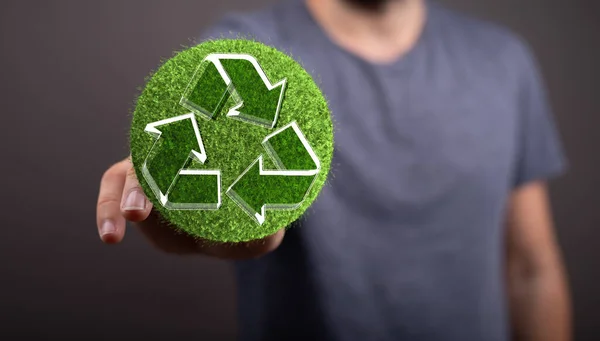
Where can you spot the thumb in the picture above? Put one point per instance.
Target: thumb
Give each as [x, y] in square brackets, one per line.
[135, 206]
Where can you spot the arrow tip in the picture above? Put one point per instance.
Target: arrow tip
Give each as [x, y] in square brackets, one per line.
[260, 218]
[200, 156]
[163, 199]
[235, 111]
[151, 128]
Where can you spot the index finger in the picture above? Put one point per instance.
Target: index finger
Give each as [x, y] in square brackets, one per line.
[110, 222]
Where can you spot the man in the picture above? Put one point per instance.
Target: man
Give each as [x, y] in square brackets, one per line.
[436, 223]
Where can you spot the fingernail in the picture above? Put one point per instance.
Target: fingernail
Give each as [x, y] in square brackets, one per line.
[107, 228]
[135, 201]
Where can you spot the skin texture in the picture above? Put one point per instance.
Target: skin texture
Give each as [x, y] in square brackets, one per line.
[536, 281]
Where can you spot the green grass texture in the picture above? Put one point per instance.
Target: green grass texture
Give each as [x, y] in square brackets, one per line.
[231, 145]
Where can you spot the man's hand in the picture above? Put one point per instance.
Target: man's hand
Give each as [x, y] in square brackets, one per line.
[121, 199]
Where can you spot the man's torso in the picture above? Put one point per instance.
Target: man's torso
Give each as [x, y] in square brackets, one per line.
[405, 240]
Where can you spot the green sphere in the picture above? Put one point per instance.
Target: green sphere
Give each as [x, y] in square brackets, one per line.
[232, 146]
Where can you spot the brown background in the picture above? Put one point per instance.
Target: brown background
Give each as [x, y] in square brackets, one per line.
[69, 73]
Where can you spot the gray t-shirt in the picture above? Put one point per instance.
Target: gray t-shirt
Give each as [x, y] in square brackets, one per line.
[406, 240]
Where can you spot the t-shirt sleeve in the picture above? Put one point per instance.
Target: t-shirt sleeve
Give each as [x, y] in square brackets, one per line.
[540, 154]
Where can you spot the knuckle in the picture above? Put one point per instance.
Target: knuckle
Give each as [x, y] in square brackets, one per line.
[108, 200]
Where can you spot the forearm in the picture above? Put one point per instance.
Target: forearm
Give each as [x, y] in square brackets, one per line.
[540, 305]
[539, 300]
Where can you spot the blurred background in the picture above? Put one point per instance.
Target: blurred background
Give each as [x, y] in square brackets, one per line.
[69, 72]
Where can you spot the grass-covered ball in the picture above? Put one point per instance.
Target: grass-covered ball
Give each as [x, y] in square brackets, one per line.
[231, 145]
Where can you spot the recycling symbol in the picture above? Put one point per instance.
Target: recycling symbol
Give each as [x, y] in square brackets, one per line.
[229, 97]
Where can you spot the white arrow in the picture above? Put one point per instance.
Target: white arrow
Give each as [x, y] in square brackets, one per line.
[152, 128]
[234, 112]
[281, 170]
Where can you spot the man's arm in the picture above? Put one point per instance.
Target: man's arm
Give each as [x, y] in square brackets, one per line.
[539, 300]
